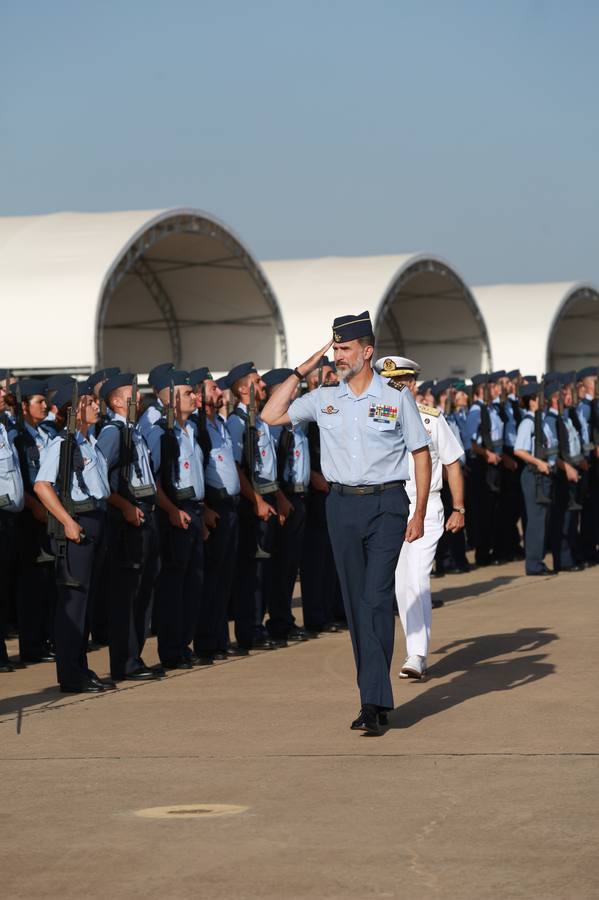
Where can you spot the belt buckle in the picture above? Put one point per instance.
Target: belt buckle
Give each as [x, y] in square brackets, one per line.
[360, 489]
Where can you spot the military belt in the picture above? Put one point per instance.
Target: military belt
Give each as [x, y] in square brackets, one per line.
[265, 487]
[82, 506]
[290, 487]
[365, 488]
[220, 495]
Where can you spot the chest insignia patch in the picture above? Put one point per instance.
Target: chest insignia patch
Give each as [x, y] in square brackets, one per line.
[427, 421]
[383, 413]
[220, 457]
[2, 445]
[186, 464]
[329, 410]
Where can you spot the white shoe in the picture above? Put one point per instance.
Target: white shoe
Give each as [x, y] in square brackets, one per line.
[414, 667]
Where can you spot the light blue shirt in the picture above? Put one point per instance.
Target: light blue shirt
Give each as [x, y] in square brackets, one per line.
[297, 465]
[585, 431]
[366, 439]
[109, 444]
[455, 429]
[190, 465]
[221, 471]
[266, 459]
[525, 438]
[473, 426]
[573, 436]
[11, 482]
[42, 440]
[94, 474]
[509, 428]
[149, 418]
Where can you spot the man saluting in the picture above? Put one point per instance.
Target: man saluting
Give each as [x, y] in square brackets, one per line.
[368, 426]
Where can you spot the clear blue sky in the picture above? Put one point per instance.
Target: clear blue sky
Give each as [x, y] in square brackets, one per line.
[465, 127]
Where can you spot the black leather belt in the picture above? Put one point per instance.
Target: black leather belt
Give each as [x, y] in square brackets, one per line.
[365, 488]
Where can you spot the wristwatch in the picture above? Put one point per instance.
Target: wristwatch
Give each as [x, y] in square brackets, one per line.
[459, 509]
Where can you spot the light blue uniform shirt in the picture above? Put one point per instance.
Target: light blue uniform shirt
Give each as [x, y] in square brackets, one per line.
[525, 438]
[42, 441]
[297, 465]
[509, 428]
[221, 471]
[109, 443]
[366, 439]
[584, 408]
[473, 429]
[266, 458]
[94, 474]
[191, 464]
[11, 482]
[455, 430]
[573, 436]
[585, 431]
[149, 418]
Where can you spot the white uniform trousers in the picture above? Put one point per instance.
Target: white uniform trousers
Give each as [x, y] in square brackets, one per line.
[413, 579]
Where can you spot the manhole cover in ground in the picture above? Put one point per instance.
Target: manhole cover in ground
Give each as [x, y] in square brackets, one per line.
[190, 811]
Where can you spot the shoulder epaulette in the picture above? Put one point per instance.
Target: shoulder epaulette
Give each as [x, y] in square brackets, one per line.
[394, 383]
[428, 410]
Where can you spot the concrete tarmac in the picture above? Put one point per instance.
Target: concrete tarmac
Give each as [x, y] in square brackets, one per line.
[485, 785]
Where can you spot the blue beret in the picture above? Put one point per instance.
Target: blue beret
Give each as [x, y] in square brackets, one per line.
[568, 378]
[513, 373]
[86, 387]
[349, 328]
[198, 375]
[56, 381]
[29, 387]
[552, 376]
[425, 386]
[239, 371]
[276, 376]
[442, 385]
[482, 378]
[4, 373]
[158, 371]
[587, 372]
[103, 374]
[222, 383]
[172, 376]
[123, 379]
[551, 387]
[494, 377]
[64, 394]
[529, 377]
[529, 390]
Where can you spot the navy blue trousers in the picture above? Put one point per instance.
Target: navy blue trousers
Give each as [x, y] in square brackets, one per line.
[71, 625]
[179, 586]
[219, 570]
[367, 532]
[535, 537]
[132, 554]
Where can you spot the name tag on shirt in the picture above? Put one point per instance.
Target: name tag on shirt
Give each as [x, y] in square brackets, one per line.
[384, 414]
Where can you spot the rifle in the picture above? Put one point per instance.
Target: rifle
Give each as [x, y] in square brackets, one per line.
[262, 530]
[540, 451]
[563, 440]
[19, 420]
[56, 529]
[203, 437]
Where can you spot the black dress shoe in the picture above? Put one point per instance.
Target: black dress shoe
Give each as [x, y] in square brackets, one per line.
[87, 687]
[359, 723]
[47, 656]
[369, 719]
[233, 652]
[575, 568]
[202, 660]
[220, 654]
[176, 664]
[279, 642]
[297, 634]
[543, 571]
[438, 603]
[159, 670]
[6, 666]
[341, 624]
[438, 573]
[144, 674]
[264, 644]
[104, 682]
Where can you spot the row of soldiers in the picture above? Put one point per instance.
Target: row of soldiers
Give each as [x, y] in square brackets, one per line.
[118, 516]
[180, 514]
[531, 461]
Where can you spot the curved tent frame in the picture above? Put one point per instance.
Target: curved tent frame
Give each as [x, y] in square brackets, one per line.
[64, 272]
[400, 293]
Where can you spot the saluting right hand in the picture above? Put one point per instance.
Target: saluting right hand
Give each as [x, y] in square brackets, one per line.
[310, 364]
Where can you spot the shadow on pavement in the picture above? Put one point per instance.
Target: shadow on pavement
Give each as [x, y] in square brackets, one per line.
[448, 594]
[478, 672]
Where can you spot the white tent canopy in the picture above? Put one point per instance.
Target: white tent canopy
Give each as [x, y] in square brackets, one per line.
[420, 307]
[133, 289]
[541, 327]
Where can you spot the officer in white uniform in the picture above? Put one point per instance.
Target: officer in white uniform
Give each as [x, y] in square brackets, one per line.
[412, 575]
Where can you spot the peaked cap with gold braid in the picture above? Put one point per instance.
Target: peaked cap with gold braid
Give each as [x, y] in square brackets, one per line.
[394, 366]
